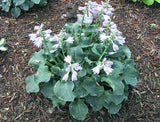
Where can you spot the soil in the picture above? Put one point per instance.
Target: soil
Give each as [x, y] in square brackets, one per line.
[133, 19]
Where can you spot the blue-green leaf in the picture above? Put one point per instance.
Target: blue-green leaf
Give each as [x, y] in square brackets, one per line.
[64, 90]
[115, 83]
[126, 51]
[96, 102]
[42, 75]
[90, 29]
[92, 87]
[47, 91]
[129, 62]
[18, 2]
[56, 70]
[78, 109]
[84, 42]
[36, 1]
[118, 67]
[98, 49]
[43, 2]
[79, 91]
[16, 12]
[72, 28]
[76, 54]
[32, 86]
[112, 108]
[112, 98]
[130, 75]
[25, 6]
[6, 6]
[37, 59]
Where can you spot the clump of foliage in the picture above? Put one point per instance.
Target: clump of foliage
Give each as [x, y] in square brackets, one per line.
[2, 43]
[147, 2]
[86, 63]
[15, 6]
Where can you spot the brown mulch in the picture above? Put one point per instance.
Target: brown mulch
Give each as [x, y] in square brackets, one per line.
[133, 19]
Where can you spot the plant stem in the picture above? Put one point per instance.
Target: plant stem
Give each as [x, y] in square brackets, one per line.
[48, 63]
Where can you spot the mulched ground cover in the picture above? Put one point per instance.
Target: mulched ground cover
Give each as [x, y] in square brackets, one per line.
[135, 20]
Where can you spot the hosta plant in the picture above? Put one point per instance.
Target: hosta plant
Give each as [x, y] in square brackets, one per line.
[15, 6]
[147, 2]
[2, 43]
[84, 64]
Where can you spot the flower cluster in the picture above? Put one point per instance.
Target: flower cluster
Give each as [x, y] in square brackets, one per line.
[38, 37]
[71, 67]
[105, 65]
[105, 11]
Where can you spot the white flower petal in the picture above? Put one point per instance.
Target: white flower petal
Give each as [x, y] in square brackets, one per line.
[70, 40]
[104, 37]
[55, 46]
[52, 51]
[74, 75]
[65, 77]
[77, 67]
[48, 31]
[107, 70]
[38, 41]
[115, 47]
[97, 69]
[68, 59]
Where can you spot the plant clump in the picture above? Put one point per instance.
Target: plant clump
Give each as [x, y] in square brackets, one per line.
[85, 63]
[15, 6]
[147, 2]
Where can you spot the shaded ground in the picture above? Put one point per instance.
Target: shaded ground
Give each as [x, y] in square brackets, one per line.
[134, 20]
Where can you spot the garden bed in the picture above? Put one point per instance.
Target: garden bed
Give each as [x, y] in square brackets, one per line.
[140, 25]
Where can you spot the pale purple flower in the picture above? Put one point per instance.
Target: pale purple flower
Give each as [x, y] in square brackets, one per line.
[70, 40]
[107, 70]
[55, 46]
[108, 11]
[32, 36]
[120, 39]
[68, 59]
[97, 69]
[77, 67]
[49, 31]
[111, 53]
[115, 47]
[74, 75]
[101, 29]
[38, 27]
[52, 51]
[106, 17]
[105, 65]
[104, 37]
[88, 18]
[55, 38]
[65, 77]
[95, 8]
[113, 26]
[4, 1]
[71, 68]
[37, 40]
[82, 8]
